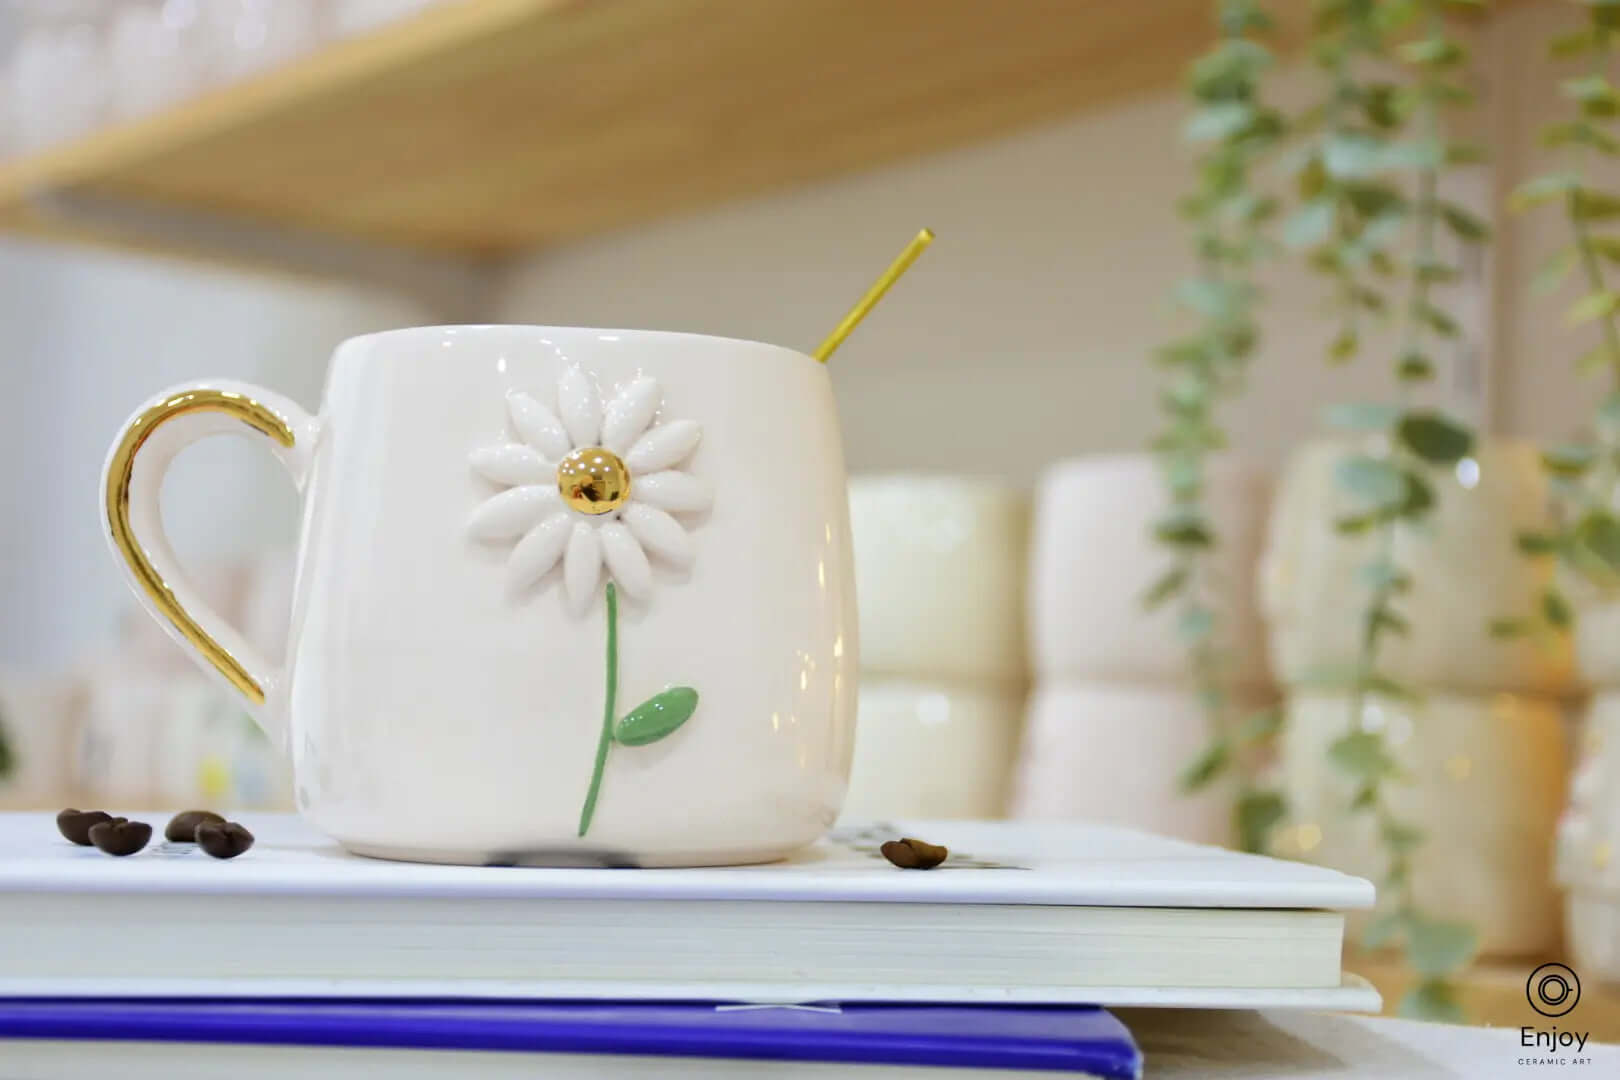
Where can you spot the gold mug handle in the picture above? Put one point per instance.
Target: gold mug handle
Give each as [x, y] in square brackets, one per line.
[131, 482]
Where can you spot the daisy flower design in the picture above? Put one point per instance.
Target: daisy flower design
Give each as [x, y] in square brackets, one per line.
[592, 486]
[596, 487]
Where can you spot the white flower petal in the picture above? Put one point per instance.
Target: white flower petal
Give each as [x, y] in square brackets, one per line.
[658, 532]
[582, 567]
[625, 559]
[671, 490]
[629, 413]
[580, 408]
[512, 512]
[513, 463]
[539, 551]
[663, 446]
[537, 427]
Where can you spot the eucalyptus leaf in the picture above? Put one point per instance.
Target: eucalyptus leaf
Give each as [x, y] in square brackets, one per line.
[1382, 929]
[1537, 543]
[1209, 764]
[1399, 837]
[1557, 609]
[1353, 155]
[1434, 438]
[1414, 367]
[1362, 754]
[1383, 619]
[1261, 724]
[1590, 205]
[1436, 948]
[1572, 43]
[1218, 121]
[1433, 1000]
[1343, 346]
[1596, 96]
[1554, 269]
[1184, 528]
[1571, 459]
[1432, 52]
[1510, 626]
[1257, 813]
[1435, 319]
[1383, 576]
[1595, 305]
[1543, 189]
[1608, 413]
[1371, 480]
[1362, 415]
[657, 717]
[1597, 535]
[1386, 687]
[1309, 225]
[1169, 583]
[1463, 224]
[1598, 356]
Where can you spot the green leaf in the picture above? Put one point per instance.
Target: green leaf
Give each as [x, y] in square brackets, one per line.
[1355, 524]
[1435, 319]
[8, 759]
[1309, 225]
[1365, 798]
[1510, 626]
[1362, 415]
[1466, 153]
[1414, 367]
[1195, 625]
[1554, 269]
[1432, 52]
[1580, 133]
[1257, 813]
[1433, 1000]
[1371, 480]
[1382, 929]
[1557, 609]
[1435, 272]
[1386, 687]
[1343, 346]
[1170, 582]
[1362, 754]
[1596, 305]
[1569, 460]
[1464, 225]
[1543, 189]
[1436, 948]
[1352, 155]
[1572, 43]
[1419, 496]
[1608, 413]
[1605, 245]
[1384, 619]
[1261, 724]
[1400, 838]
[1218, 121]
[1209, 764]
[1383, 576]
[1599, 356]
[1590, 205]
[1183, 528]
[656, 717]
[1596, 96]
[1434, 438]
[1537, 543]
[1597, 535]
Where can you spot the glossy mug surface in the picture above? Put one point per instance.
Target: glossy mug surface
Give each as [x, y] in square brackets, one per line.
[563, 595]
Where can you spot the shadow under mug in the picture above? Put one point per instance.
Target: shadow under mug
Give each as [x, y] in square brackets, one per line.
[563, 595]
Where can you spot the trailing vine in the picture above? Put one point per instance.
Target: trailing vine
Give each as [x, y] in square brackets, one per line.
[1583, 475]
[1368, 175]
[1204, 369]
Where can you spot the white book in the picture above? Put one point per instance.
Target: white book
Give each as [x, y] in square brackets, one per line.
[1021, 912]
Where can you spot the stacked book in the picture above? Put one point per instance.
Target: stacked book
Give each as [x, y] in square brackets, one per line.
[1001, 962]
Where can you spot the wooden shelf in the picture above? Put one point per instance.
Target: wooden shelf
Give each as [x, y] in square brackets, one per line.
[1493, 995]
[487, 127]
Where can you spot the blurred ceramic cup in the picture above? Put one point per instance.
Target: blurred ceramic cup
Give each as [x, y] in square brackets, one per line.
[1588, 863]
[1113, 754]
[927, 750]
[1485, 782]
[1465, 565]
[1092, 558]
[39, 721]
[939, 569]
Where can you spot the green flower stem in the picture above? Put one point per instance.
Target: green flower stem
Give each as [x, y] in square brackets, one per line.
[606, 740]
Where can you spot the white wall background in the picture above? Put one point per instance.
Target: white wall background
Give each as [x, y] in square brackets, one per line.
[88, 337]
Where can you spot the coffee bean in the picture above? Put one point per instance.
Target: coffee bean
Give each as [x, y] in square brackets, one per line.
[182, 828]
[75, 824]
[223, 840]
[912, 854]
[120, 836]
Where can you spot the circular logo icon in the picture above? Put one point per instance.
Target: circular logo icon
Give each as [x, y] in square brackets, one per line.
[1553, 989]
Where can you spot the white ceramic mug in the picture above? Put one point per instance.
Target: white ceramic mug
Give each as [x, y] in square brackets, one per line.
[562, 594]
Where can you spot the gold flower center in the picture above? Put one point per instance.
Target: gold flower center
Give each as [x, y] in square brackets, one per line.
[593, 480]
